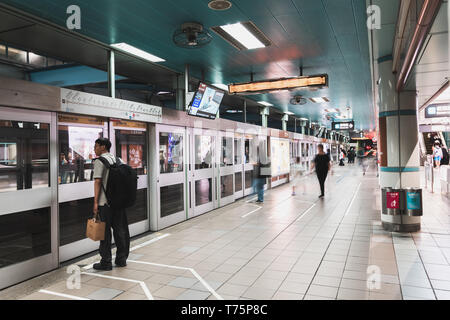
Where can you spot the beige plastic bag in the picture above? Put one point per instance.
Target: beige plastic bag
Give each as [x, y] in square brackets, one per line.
[95, 229]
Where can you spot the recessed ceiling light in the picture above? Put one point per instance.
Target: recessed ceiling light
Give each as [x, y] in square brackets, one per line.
[265, 103]
[243, 35]
[319, 100]
[136, 52]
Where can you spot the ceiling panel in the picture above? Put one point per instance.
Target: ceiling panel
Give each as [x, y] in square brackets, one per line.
[327, 36]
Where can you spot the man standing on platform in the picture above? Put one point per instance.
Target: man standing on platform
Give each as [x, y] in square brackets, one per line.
[322, 165]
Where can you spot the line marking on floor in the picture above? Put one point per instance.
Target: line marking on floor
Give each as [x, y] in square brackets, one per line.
[63, 295]
[309, 209]
[142, 283]
[259, 208]
[251, 199]
[205, 284]
[353, 199]
[133, 248]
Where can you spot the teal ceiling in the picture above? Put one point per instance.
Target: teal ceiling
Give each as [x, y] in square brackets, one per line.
[324, 36]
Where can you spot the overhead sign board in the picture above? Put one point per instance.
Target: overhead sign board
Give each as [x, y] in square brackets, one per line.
[92, 104]
[437, 110]
[341, 126]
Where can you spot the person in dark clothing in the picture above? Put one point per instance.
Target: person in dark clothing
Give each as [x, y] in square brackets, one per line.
[322, 165]
[114, 218]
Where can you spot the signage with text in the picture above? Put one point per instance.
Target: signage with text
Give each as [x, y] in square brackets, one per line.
[348, 125]
[392, 200]
[437, 110]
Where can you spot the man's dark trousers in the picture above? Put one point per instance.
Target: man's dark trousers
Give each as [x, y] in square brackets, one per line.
[322, 176]
[117, 219]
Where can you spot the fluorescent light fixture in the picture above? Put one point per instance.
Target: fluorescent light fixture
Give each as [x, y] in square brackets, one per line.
[163, 92]
[234, 111]
[332, 110]
[304, 119]
[243, 36]
[221, 86]
[319, 100]
[265, 103]
[136, 52]
[288, 112]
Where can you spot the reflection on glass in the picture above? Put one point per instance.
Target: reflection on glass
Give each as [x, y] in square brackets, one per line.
[203, 152]
[248, 179]
[237, 151]
[170, 152]
[171, 199]
[24, 152]
[203, 191]
[25, 235]
[226, 156]
[237, 181]
[247, 151]
[131, 147]
[74, 214]
[226, 185]
[76, 148]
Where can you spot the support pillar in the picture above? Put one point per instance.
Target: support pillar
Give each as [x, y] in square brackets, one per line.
[111, 74]
[186, 87]
[398, 145]
[264, 116]
[284, 122]
[245, 111]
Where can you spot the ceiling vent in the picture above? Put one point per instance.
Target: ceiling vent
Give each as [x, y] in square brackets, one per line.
[298, 100]
[191, 35]
[219, 5]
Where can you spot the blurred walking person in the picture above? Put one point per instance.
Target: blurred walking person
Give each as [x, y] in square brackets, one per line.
[322, 165]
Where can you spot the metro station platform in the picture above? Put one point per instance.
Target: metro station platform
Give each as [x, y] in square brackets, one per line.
[290, 248]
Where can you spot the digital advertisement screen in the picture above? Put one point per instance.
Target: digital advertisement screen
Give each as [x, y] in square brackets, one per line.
[82, 141]
[279, 156]
[206, 102]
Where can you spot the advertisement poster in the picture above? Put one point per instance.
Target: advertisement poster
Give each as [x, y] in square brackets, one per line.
[280, 157]
[413, 200]
[82, 141]
[135, 156]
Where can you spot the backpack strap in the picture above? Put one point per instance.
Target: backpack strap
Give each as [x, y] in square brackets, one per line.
[107, 165]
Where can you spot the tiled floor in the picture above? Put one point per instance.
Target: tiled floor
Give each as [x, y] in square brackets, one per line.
[293, 248]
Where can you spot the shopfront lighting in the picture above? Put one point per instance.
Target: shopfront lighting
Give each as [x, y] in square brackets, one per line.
[136, 52]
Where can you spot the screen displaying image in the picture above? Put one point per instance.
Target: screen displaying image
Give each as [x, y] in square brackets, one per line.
[206, 102]
[82, 140]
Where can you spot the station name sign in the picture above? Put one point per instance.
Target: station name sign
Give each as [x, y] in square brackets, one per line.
[348, 125]
[437, 110]
[73, 101]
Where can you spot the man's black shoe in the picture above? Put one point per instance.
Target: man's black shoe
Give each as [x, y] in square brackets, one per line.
[259, 201]
[103, 267]
[121, 264]
[321, 196]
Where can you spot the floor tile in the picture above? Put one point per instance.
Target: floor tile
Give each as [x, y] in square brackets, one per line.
[322, 291]
[104, 294]
[193, 295]
[182, 282]
[259, 293]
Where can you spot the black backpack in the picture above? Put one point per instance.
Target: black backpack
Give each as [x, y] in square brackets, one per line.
[121, 186]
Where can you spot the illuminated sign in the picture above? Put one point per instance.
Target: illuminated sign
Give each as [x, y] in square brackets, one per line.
[437, 110]
[279, 84]
[349, 125]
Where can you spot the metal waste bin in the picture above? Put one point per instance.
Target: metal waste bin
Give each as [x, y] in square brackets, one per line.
[393, 201]
[414, 207]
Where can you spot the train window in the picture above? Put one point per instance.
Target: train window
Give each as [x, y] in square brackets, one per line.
[170, 152]
[77, 137]
[24, 154]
